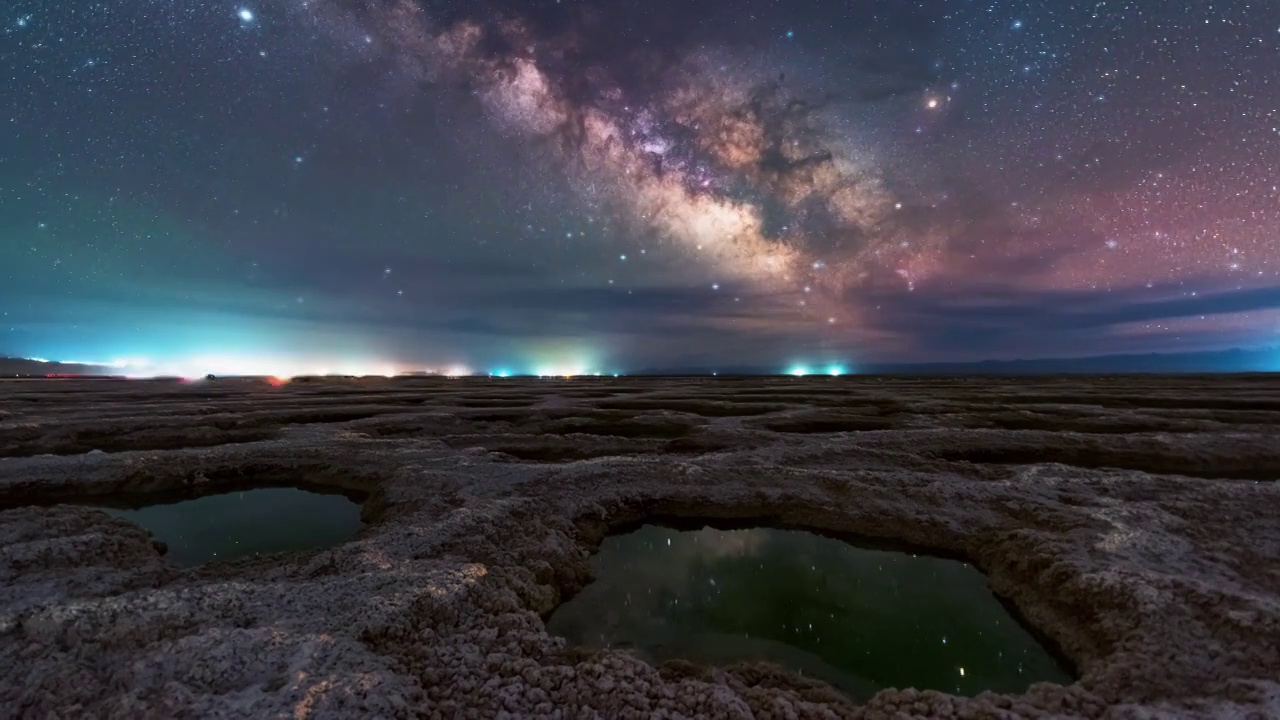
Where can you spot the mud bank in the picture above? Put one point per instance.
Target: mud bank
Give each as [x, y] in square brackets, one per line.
[1134, 522]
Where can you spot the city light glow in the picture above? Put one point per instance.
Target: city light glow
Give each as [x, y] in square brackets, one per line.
[284, 368]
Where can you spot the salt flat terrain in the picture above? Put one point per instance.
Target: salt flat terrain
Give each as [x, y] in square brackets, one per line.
[1133, 521]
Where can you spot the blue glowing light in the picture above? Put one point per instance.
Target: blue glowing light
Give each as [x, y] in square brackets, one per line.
[835, 370]
[502, 373]
[798, 371]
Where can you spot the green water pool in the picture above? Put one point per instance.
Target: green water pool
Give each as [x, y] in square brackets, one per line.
[242, 524]
[859, 619]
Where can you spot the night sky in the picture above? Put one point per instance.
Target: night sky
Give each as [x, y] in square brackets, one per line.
[636, 183]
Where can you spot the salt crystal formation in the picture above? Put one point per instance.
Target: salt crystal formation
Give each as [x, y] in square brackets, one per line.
[1133, 521]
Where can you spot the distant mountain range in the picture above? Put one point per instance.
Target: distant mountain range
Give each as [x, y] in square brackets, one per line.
[22, 367]
[1235, 360]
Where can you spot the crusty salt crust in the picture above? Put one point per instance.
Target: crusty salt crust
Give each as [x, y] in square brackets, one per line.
[1135, 522]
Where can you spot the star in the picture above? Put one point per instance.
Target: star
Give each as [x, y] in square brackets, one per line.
[730, 163]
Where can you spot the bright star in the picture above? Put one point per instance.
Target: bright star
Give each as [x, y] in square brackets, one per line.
[246, 15]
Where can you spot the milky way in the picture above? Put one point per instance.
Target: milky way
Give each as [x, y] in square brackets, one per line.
[656, 182]
[731, 167]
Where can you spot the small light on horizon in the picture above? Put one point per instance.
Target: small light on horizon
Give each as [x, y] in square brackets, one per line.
[798, 371]
[835, 371]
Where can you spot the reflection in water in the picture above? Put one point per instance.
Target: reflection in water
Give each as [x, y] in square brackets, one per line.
[241, 524]
[859, 619]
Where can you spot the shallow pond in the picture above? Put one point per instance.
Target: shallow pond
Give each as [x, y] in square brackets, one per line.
[860, 619]
[241, 524]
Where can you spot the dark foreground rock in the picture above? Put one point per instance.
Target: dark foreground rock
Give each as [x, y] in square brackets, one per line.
[1134, 522]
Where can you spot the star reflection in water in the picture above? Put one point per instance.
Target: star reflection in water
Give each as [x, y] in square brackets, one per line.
[860, 619]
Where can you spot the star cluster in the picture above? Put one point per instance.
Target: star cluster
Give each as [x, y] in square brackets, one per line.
[654, 182]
